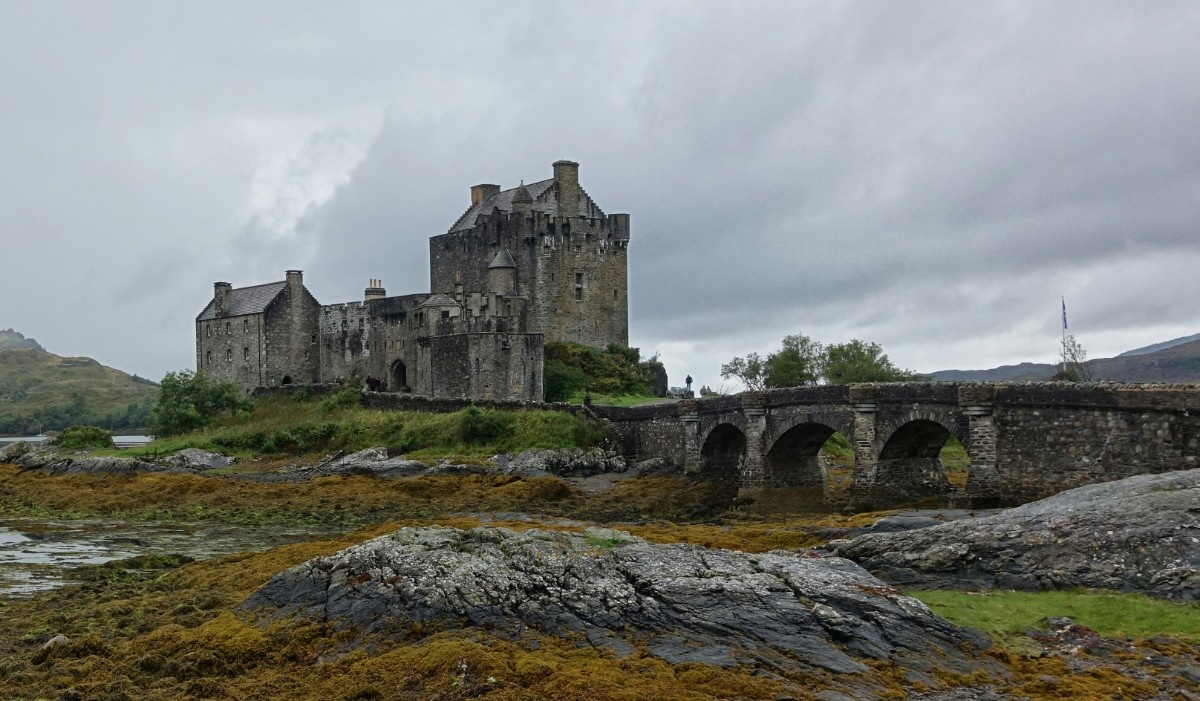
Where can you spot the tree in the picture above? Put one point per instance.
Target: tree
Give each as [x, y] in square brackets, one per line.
[1073, 367]
[188, 401]
[751, 370]
[797, 362]
[800, 361]
[862, 361]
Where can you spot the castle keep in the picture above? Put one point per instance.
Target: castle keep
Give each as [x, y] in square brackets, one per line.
[533, 264]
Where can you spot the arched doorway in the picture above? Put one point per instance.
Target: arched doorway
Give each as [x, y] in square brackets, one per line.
[398, 377]
[287, 380]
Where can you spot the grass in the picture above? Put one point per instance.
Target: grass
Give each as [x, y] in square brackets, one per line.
[615, 399]
[1008, 614]
[288, 427]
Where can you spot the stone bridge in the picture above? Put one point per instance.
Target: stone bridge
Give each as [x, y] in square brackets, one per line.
[1025, 441]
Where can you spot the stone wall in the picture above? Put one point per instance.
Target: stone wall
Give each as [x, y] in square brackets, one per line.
[345, 339]
[230, 349]
[290, 342]
[1055, 436]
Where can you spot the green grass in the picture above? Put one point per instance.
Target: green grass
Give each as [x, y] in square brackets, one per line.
[614, 399]
[1007, 614]
[287, 427]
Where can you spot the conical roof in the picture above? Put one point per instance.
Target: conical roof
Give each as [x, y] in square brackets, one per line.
[503, 259]
[522, 195]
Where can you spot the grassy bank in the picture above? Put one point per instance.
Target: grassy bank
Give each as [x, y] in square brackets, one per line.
[291, 427]
[1006, 615]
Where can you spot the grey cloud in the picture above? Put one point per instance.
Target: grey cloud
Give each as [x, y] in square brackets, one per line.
[932, 176]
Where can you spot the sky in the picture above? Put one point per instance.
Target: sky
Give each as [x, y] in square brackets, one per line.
[934, 176]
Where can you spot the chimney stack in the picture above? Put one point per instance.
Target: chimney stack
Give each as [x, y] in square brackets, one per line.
[566, 174]
[480, 193]
[374, 290]
[221, 297]
[295, 279]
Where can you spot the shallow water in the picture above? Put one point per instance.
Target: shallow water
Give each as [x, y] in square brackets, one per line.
[35, 554]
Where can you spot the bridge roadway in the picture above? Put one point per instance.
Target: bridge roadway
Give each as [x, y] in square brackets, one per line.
[1025, 441]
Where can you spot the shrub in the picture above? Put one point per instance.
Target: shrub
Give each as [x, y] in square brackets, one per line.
[476, 427]
[560, 380]
[83, 437]
[188, 401]
[345, 399]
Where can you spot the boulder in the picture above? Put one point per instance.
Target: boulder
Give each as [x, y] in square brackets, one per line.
[681, 603]
[197, 459]
[571, 462]
[1140, 534]
[372, 461]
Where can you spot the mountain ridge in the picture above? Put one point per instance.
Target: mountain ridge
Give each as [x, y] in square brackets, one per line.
[41, 391]
[1171, 361]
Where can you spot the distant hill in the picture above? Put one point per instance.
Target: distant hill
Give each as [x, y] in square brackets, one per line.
[1172, 361]
[43, 391]
[1161, 346]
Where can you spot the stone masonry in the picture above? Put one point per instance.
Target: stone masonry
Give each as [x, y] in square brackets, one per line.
[1025, 441]
[520, 267]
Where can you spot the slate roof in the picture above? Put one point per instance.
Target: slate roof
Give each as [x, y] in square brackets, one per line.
[544, 198]
[244, 300]
[503, 259]
[437, 300]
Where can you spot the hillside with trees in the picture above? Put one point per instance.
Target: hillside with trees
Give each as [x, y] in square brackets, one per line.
[41, 391]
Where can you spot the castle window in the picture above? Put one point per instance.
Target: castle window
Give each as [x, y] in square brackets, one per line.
[578, 293]
[208, 332]
[614, 295]
[445, 313]
[208, 358]
[228, 328]
[245, 325]
[229, 355]
[578, 278]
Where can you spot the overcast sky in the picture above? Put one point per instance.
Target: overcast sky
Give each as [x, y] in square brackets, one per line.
[932, 176]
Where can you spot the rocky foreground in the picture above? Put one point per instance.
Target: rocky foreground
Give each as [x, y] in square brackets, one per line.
[1137, 534]
[683, 603]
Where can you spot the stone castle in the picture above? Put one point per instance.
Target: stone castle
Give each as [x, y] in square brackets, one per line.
[521, 267]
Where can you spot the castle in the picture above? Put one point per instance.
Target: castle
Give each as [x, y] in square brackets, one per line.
[521, 267]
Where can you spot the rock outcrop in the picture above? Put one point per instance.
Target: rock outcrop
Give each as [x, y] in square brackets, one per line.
[570, 462]
[1141, 533]
[683, 603]
[49, 458]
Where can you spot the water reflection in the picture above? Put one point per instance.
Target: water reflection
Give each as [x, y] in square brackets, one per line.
[35, 553]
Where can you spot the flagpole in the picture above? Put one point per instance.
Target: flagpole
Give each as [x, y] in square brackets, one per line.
[1063, 356]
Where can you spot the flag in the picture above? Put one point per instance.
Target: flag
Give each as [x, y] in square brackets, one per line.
[1064, 301]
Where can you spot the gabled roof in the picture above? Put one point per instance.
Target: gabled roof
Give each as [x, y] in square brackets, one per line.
[244, 300]
[544, 199]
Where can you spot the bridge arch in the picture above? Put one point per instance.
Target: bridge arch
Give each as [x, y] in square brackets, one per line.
[795, 476]
[909, 467]
[723, 454]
